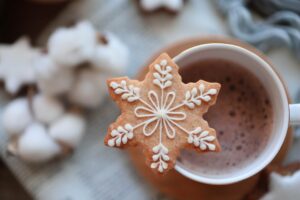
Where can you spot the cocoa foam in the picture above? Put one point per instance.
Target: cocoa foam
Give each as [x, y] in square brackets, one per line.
[242, 117]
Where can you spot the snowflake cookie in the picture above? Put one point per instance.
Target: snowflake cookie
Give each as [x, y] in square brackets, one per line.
[162, 115]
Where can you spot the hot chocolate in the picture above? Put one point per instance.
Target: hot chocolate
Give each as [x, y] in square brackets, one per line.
[242, 117]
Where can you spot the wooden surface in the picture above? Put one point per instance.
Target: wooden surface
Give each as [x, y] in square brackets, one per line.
[18, 18]
[10, 188]
[24, 17]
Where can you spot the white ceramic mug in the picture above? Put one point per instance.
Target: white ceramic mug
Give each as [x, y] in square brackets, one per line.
[284, 114]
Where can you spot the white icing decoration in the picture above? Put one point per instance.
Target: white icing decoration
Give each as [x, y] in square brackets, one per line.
[193, 98]
[283, 187]
[161, 115]
[160, 157]
[202, 139]
[129, 93]
[163, 76]
[121, 135]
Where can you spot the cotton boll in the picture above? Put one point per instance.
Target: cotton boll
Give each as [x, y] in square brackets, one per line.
[72, 46]
[68, 130]
[35, 145]
[46, 109]
[112, 56]
[16, 116]
[16, 68]
[45, 67]
[51, 78]
[89, 89]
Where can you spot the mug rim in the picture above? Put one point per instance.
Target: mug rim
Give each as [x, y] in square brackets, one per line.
[280, 88]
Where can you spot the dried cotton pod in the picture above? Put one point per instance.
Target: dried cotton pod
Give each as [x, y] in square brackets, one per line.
[53, 79]
[46, 67]
[72, 46]
[68, 130]
[40, 129]
[16, 65]
[35, 145]
[46, 109]
[111, 55]
[16, 116]
[89, 88]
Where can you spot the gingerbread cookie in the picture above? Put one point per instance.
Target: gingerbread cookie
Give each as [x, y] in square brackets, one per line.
[162, 114]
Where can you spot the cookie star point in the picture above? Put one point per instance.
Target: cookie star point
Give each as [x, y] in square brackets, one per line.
[162, 114]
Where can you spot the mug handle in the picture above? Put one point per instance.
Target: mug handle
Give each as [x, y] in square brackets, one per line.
[294, 114]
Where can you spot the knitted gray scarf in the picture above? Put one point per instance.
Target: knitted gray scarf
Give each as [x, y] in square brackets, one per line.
[281, 28]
